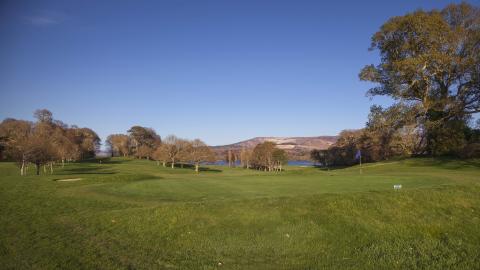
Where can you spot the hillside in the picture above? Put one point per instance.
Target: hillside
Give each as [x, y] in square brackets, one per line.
[298, 148]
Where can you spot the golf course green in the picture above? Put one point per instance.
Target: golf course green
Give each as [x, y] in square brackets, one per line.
[132, 214]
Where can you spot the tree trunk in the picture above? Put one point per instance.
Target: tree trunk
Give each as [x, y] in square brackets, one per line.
[63, 162]
[51, 167]
[45, 168]
[164, 164]
[173, 163]
[37, 166]
[196, 167]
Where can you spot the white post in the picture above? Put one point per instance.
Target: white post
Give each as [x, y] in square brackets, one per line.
[360, 163]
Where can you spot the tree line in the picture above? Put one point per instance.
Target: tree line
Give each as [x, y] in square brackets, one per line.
[145, 143]
[48, 141]
[142, 142]
[430, 66]
[45, 142]
[264, 156]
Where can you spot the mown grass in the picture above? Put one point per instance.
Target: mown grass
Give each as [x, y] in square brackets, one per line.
[131, 214]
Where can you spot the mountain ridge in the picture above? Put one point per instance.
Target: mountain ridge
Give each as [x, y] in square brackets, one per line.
[298, 148]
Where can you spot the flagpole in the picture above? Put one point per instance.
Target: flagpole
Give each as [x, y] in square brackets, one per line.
[358, 156]
[360, 163]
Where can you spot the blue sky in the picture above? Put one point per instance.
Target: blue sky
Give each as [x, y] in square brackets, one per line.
[222, 71]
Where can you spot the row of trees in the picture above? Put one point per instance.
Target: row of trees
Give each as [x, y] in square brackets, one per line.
[265, 156]
[430, 66]
[139, 142]
[384, 140]
[142, 142]
[45, 142]
[175, 150]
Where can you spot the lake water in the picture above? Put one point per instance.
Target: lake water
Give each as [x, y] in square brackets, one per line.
[301, 163]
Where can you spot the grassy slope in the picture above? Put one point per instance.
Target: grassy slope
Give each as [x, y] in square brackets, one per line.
[132, 214]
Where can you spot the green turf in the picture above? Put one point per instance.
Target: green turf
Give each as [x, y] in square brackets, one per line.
[131, 214]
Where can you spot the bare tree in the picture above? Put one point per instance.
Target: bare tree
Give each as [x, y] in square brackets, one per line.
[119, 144]
[40, 152]
[245, 157]
[175, 148]
[144, 151]
[199, 152]
[266, 156]
[231, 158]
[64, 147]
[161, 154]
[45, 142]
[43, 116]
[15, 136]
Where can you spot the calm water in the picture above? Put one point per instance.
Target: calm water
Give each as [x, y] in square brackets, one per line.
[301, 163]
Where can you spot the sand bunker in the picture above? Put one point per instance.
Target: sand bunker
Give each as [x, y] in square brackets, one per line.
[69, 180]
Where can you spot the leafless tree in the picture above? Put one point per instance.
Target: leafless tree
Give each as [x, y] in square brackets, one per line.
[199, 152]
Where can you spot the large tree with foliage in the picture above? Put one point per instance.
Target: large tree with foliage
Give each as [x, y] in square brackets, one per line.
[389, 132]
[143, 136]
[431, 61]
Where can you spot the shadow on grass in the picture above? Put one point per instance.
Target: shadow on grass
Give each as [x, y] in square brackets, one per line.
[331, 168]
[86, 170]
[67, 179]
[207, 169]
[110, 161]
[445, 162]
[105, 160]
[450, 163]
[192, 167]
[88, 160]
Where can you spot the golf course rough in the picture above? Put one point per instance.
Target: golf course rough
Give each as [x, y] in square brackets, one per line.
[133, 214]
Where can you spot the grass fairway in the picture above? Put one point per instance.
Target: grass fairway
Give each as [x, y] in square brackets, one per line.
[131, 214]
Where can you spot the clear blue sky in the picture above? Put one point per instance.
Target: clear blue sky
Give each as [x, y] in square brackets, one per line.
[222, 71]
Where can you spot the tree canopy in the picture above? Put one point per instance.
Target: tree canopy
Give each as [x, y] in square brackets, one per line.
[430, 64]
[45, 141]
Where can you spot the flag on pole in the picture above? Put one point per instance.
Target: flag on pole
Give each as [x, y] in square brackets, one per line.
[358, 155]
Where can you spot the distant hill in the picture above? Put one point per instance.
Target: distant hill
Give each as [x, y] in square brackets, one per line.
[298, 148]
